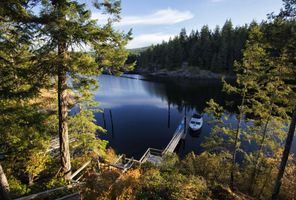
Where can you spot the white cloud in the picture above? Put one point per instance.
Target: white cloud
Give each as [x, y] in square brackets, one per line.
[164, 16]
[148, 39]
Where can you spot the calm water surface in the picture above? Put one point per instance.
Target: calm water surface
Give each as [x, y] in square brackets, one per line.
[142, 112]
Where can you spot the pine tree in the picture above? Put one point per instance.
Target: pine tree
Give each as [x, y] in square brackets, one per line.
[269, 95]
[227, 45]
[283, 40]
[257, 80]
[224, 136]
[62, 29]
[72, 26]
[211, 50]
[18, 83]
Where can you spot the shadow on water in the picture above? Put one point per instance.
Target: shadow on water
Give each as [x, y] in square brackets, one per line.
[194, 134]
[142, 112]
[181, 148]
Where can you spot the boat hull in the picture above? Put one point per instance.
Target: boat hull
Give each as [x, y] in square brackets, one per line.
[195, 128]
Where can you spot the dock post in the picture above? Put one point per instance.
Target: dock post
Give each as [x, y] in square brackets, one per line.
[104, 120]
[185, 122]
[111, 118]
[169, 114]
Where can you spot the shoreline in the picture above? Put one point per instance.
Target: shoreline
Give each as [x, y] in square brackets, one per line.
[187, 74]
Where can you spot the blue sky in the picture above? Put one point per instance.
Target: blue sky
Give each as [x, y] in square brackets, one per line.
[153, 21]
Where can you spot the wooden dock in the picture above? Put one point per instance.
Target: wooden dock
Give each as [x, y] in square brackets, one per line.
[180, 133]
[155, 156]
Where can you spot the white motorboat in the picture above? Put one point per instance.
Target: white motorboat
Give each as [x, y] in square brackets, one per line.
[195, 122]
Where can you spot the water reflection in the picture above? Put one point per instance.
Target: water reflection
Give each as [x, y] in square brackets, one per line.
[193, 94]
[141, 112]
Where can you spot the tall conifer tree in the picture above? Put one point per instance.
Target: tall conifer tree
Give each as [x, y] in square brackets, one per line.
[64, 34]
[283, 41]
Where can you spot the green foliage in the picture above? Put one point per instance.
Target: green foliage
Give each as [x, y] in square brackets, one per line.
[24, 134]
[17, 187]
[211, 50]
[30, 62]
[154, 185]
[97, 186]
[83, 130]
[263, 106]
[213, 167]
[171, 181]
[196, 177]
[137, 51]
[21, 77]
[169, 163]
[55, 182]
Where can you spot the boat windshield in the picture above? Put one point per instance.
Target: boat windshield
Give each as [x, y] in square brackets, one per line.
[196, 116]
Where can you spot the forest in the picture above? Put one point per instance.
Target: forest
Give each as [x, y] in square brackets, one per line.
[214, 50]
[46, 70]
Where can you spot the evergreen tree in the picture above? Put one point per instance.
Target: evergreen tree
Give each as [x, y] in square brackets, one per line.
[269, 96]
[205, 45]
[283, 42]
[183, 42]
[60, 28]
[263, 96]
[227, 45]
[20, 79]
[210, 50]
[71, 25]
[216, 62]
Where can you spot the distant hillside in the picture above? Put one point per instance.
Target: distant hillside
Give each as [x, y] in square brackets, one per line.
[137, 51]
[205, 49]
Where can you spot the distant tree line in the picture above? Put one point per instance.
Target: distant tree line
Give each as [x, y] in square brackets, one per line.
[214, 50]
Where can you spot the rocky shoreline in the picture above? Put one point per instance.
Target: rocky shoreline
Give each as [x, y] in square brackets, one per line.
[188, 74]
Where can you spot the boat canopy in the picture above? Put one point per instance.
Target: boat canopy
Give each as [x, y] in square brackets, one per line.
[198, 116]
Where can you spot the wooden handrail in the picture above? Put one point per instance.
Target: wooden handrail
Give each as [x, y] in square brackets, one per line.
[144, 155]
[134, 160]
[55, 144]
[67, 196]
[118, 159]
[47, 192]
[80, 169]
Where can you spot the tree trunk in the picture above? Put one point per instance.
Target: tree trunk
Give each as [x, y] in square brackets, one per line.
[237, 137]
[31, 179]
[285, 157]
[4, 186]
[63, 114]
[62, 95]
[267, 179]
[255, 173]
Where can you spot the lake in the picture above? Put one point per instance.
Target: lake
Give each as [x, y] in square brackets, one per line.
[142, 112]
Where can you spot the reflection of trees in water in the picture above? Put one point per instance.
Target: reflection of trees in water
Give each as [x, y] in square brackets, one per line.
[192, 94]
